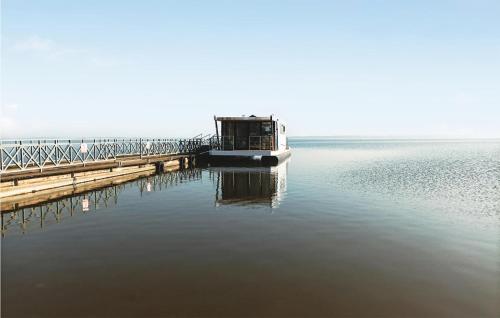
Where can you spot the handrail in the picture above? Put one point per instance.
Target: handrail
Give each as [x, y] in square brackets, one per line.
[245, 143]
[37, 154]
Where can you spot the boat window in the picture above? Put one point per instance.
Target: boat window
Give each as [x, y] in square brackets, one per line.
[254, 129]
[227, 128]
[282, 129]
[241, 129]
[241, 135]
[267, 128]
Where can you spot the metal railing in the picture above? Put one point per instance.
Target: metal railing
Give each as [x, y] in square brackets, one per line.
[38, 154]
[245, 143]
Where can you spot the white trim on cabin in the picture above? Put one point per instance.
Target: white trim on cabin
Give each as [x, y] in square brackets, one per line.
[245, 153]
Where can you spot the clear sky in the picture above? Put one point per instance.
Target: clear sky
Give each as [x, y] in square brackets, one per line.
[164, 68]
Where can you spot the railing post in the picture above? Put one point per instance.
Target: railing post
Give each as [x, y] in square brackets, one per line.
[55, 152]
[40, 163]
[83, 154]
[1, 159]
[70, 147]
[21, 153]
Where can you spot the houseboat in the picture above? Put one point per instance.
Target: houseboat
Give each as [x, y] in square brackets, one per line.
[250, 139]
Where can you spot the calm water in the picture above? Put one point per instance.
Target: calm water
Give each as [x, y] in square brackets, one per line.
[345, 228]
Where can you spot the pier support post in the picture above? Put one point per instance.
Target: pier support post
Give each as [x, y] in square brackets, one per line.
[159, 165]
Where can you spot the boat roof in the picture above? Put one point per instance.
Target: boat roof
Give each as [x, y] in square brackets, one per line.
[245, 118]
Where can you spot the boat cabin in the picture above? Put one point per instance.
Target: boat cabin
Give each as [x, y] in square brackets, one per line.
[250, 138]
[251, 133]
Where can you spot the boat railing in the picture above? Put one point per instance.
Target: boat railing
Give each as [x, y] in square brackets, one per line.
[246, 143]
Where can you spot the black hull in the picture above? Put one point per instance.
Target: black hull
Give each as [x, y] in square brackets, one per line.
[265, 161]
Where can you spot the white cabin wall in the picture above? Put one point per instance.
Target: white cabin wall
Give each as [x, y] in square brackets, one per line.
[282, 141]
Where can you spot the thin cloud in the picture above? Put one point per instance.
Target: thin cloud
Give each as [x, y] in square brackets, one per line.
[105, 62]
[52, 50]
[44, 46]
[9, 108]
[34, 43]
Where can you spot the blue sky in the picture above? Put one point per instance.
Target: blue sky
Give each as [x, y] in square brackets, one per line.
[164, 68]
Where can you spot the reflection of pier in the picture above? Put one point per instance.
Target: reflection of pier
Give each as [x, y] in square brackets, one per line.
[53, 212]
[251, 185]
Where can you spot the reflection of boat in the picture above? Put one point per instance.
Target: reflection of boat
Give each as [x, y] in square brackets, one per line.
[251, 185]
[260, 140]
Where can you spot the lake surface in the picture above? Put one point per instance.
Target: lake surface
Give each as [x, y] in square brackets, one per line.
[350, 228]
